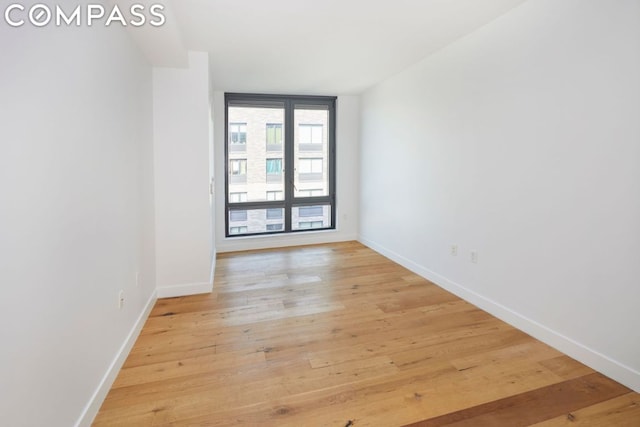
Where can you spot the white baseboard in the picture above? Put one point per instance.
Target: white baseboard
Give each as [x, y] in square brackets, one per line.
[184, 289]
[91, 410]
[592, 358]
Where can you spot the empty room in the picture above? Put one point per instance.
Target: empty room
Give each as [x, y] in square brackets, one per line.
[320, 213]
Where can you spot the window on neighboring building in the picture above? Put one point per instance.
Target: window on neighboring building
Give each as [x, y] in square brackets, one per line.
[275, 195]
[274, 135]
[238, 230]
[310, 170]
[310, 134]
[311, 193]
[274, 166]
[237, 215]
[299, 135]
[307, 211]
[237, 197]
[310, 165]
[275, 213]
[238, 167]
[310, 224]
[237, 133]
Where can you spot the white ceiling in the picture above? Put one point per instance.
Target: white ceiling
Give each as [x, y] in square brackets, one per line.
[316, 46]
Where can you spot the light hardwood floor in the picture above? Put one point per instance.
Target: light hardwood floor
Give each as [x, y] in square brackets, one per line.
[337, 335]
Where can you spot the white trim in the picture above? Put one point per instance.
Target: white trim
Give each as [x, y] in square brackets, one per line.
[184, 289]
[590, 357]
[91, 409]
[284, 240]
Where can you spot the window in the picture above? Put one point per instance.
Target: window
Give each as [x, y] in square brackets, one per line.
[298, 162]
[310, 134]
[237, 197]
[307, 166]
[238, 171]
[238, 230]
[275, 213]
[237, 133]
[311, 193]
[237, 215]
[310, 224]
[310, 137]
[307, 211]
[238, 167]
[274, 135]
[274, 166]
[310, 170]
[275, 195]
[274, 171]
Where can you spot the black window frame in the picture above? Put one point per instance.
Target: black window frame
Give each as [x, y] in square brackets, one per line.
[290, 201]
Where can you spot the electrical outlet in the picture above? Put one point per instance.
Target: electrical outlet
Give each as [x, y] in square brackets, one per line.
[454, 250]
[474, 257]
[120, 298]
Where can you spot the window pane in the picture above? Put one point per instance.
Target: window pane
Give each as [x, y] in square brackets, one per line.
[316, 134]
[275, 195]
[238, 230]
[311, 217]
[310, 224]
[314, 192]
[274, 133]
[311, 151]
[275, 213]
[237, 133]
[310, 133]
[307, 211]
[274, 166]
[237, 197]
[251, 171]
[237, 215]
[238, 167]
[256, 221]
[308, 166]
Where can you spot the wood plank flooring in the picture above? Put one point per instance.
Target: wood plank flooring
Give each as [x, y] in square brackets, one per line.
[337, 335]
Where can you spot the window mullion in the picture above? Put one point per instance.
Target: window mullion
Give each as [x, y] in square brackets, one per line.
[289, 164]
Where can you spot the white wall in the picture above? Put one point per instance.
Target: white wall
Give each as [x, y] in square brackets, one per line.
[347, 184]
[522, 142]
[76, 202]
[181, 113]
